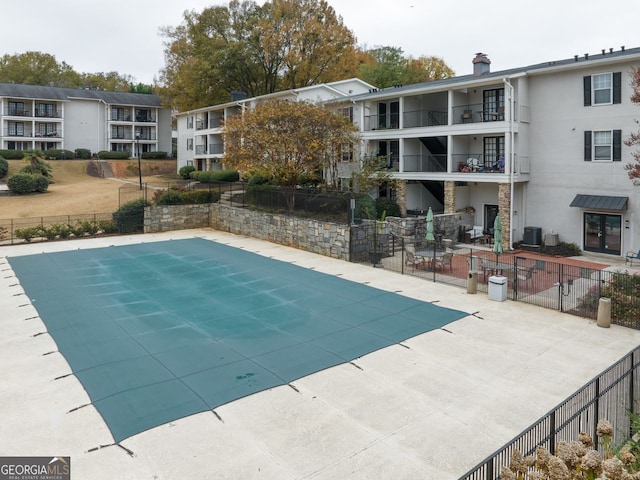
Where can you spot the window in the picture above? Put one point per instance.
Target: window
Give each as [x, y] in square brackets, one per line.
[16, 108]
[493, 150]
[346, 153]
[603, 89]
[493, 105]
[189, 143]
[348, 113]
[16, 129]
[603, 145]
[117, 131]
[44, 110]
[189, 163]
[189, 122]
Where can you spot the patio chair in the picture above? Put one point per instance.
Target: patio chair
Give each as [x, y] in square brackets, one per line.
[631, 256]
[411, 257]
[446, 259]
[525, 275]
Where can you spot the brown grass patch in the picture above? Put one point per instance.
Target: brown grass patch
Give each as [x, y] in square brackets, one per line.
[73, 192]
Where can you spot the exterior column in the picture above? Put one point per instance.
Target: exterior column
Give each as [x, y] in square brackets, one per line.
[504, 206]
[401, 196]
[208, 164]
[449, 197]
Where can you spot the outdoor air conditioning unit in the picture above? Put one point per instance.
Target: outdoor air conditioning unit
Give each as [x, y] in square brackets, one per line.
[532, 236]
[551, 239]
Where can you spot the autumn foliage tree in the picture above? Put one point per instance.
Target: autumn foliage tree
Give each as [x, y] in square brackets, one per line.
[284, 140]
[387, 66]
[256, 49]
[633, 168]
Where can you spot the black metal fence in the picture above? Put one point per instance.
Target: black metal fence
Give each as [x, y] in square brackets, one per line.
[20, 230]
[611, 395]
[559, 286]
[320, 204]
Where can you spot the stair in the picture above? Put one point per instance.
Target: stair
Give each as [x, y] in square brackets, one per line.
[236, 195]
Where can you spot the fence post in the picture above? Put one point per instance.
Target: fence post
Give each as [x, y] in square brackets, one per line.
[552, 433]
[490, 474]
[12, 236]
[596, 408]
[631, 390]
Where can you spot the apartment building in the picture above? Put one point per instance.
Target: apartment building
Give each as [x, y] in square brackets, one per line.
[200, 141]
[541, 145]
[39, 117]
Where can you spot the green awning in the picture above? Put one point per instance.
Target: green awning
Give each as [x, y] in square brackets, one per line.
[600, 202]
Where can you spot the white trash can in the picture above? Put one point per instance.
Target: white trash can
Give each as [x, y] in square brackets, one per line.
[498, 288]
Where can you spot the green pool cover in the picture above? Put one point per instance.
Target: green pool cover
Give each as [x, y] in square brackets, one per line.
[159, 331]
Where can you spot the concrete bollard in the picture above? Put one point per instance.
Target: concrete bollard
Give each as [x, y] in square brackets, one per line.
[604, 313]
[472, 282]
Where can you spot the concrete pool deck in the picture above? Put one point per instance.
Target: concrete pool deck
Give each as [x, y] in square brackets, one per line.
[431, 407]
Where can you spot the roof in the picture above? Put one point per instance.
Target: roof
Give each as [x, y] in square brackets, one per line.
[600, 202]
[41, 92]
[576, 61]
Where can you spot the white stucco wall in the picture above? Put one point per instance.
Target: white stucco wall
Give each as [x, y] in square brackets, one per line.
[84, 125]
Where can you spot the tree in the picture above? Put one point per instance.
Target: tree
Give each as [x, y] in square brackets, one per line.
[109, 82]
[387, 66]
[280, 45]
[426, 69]
[384, 67]
[633, 168]
[285, 140]
[35, 68]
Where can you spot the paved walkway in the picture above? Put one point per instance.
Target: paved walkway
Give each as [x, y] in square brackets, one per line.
[432, 407]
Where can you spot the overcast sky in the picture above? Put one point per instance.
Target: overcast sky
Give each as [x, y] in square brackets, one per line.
[123, 35]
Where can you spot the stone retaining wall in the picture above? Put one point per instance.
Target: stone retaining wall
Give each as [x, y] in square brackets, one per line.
[164, 218]
[323, 238]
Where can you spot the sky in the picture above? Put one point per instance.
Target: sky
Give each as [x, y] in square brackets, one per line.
[124, 35]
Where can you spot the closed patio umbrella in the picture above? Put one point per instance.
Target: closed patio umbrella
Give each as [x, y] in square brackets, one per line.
[429, 237]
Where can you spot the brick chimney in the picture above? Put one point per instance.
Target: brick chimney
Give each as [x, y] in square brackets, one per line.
[481, 64]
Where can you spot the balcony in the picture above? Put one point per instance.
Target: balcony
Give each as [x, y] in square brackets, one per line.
[121, 118]
[477, 163]
[48, 114]
[215, 122]
[424, 118]
[201, 149]
[146, 136]
[48, 134]
[216, 148]
[477, 113]
[382, 122]
[145, 118]
[17, 112]
[121, 136]
[425, 163]
[12, 132]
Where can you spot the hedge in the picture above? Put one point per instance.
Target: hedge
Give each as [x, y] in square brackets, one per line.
[12, 154]
[58, 154]
[82, 153]
[185, 171]
[4, 167]
[129, 217]
[21, 183]
[211, 176]
[154, 155]
[107, 155]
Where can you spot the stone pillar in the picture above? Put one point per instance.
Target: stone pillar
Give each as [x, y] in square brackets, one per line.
[401, 196]
[504, 205]
[449, 197]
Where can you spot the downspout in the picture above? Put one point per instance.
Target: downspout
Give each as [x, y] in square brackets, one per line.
[507, 84]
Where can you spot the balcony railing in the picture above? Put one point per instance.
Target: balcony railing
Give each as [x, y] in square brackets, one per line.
[201, 149]
[15, 112]
[476, 113]
[17, 133]
[478, 163]
[48, 134]
[46, 114]
[424, 118]
[145, 118]
[121, 136]
[382, 122]
[121, 118]
[425, 163]
[215, 122]
[147, 136]
[216, 148]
